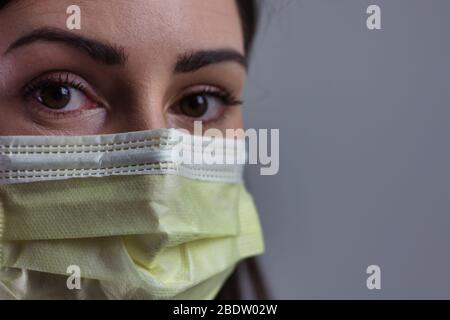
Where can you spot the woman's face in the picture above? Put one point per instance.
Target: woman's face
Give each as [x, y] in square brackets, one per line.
[133, 65]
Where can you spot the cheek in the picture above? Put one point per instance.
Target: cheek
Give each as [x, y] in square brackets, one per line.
[235, 120]
[230, 119]
[16, 119]
[12, 119]
[91, 122]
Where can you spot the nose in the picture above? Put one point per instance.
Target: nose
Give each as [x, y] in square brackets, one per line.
[144, 112]
[145, 118]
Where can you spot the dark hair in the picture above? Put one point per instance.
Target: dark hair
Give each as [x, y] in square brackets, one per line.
[3, 3]
[249, 14]
[232, 289]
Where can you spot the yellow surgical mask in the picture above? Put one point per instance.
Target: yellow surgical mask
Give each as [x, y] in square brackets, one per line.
[132, 217]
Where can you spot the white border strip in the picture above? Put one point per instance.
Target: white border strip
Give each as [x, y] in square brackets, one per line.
[44, 158]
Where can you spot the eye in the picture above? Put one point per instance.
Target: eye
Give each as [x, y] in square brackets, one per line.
[54, 96]
[195, 105]
[60, 94]
[58, 97]
[206, 105]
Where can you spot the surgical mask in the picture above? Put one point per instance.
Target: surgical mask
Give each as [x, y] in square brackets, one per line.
[121, 216]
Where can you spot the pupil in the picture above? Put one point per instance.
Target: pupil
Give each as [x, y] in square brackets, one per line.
[195, 106]
[55, 97]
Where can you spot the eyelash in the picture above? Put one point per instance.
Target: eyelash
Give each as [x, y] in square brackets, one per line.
[61, 80]
[227, 98]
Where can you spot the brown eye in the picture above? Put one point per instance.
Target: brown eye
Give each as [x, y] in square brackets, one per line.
[54, 96]
[194, 106]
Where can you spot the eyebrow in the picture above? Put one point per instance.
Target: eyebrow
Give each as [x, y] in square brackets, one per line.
[195, 60]
[114, 55]
[99, 51]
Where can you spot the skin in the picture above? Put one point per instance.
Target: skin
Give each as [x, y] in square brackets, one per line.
[143, 94]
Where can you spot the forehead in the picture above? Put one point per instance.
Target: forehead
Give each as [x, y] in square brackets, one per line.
[147, 26]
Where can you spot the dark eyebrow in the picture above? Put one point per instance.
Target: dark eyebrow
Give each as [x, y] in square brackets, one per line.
[99, 51]
[195, 60]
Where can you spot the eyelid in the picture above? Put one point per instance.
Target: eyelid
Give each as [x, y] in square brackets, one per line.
[65, 78]
[213, 90]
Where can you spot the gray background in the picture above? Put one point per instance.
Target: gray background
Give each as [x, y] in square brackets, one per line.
[364, 157]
